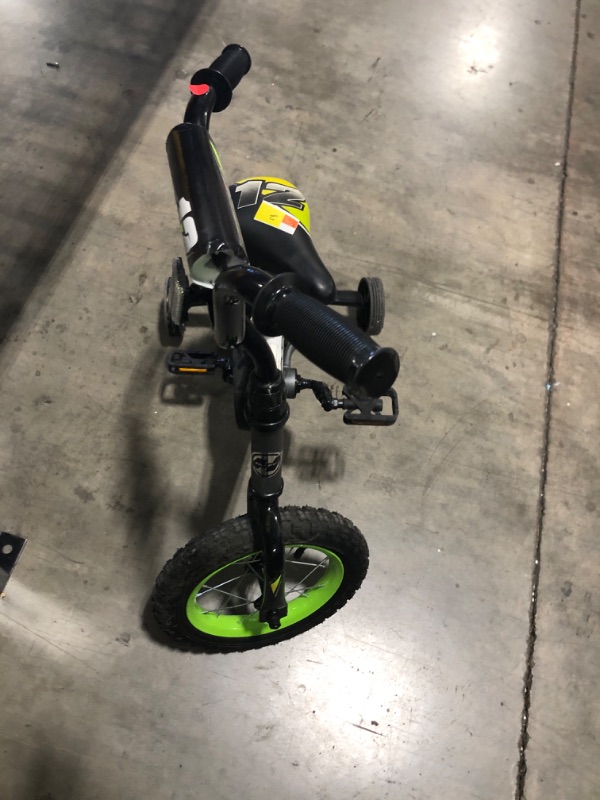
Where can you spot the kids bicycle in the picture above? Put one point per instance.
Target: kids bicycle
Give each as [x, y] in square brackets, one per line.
[272, 573]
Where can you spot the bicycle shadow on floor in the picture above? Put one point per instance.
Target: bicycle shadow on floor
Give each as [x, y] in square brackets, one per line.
[147, 489]
[227, 445]
[51, 772]
[317, 463]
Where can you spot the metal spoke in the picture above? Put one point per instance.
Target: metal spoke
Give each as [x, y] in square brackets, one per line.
[250, 564]
[304, 592]
[317, 566]
[218, 611]
[218, 586]
[252, 573]
[304, 564]
[227, 594]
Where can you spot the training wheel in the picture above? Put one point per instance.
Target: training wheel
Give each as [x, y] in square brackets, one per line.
[370, 313]
[174, 300]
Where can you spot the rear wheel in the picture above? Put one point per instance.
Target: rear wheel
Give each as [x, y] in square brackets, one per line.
[207, 593]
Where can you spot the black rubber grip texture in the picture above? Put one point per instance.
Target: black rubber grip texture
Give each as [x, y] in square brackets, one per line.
[335, 344]
[233, 63]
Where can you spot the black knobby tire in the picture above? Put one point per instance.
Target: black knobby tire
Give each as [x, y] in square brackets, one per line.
[171, 335]
[326, 561]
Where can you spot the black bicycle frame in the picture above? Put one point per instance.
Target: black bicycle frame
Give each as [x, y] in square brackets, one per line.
[213, 238]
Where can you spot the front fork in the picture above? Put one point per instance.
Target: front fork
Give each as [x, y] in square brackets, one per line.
[267, 411]
[266, 528]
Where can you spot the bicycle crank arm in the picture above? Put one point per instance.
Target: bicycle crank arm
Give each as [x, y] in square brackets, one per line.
[368, 411]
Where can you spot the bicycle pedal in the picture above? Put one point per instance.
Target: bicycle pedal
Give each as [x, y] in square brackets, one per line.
[183, 363]
[369, 411]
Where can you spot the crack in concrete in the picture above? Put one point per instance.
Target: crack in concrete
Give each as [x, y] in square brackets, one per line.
[550, 380]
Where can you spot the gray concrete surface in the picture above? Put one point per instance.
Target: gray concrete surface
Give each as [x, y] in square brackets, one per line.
[431, 143]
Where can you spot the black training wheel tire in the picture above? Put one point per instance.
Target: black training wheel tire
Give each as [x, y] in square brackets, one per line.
[173, 331]
[370, 314]
[326, 561]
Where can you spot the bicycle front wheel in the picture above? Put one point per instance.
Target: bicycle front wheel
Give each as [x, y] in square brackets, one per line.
[208, 592]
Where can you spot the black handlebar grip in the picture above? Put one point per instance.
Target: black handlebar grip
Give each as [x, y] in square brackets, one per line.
[330, 341]
[233, 63]
[224, 74]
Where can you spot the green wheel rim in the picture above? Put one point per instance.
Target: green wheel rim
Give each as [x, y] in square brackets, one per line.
[303, 601]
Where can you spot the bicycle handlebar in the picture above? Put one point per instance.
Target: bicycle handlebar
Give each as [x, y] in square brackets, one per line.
[224, 74]
[233, 63]
[327, 339]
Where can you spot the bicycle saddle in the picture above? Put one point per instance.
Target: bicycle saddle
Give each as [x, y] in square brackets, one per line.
[275, 223]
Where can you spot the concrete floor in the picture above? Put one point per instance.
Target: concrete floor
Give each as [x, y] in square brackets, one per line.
[453, 149]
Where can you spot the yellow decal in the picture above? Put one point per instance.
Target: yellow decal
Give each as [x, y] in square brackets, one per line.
[268, 180]
[275, 192]
[277, 217]
[275, 584]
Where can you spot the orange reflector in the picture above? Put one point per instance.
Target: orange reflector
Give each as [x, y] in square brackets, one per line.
[191, 369]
